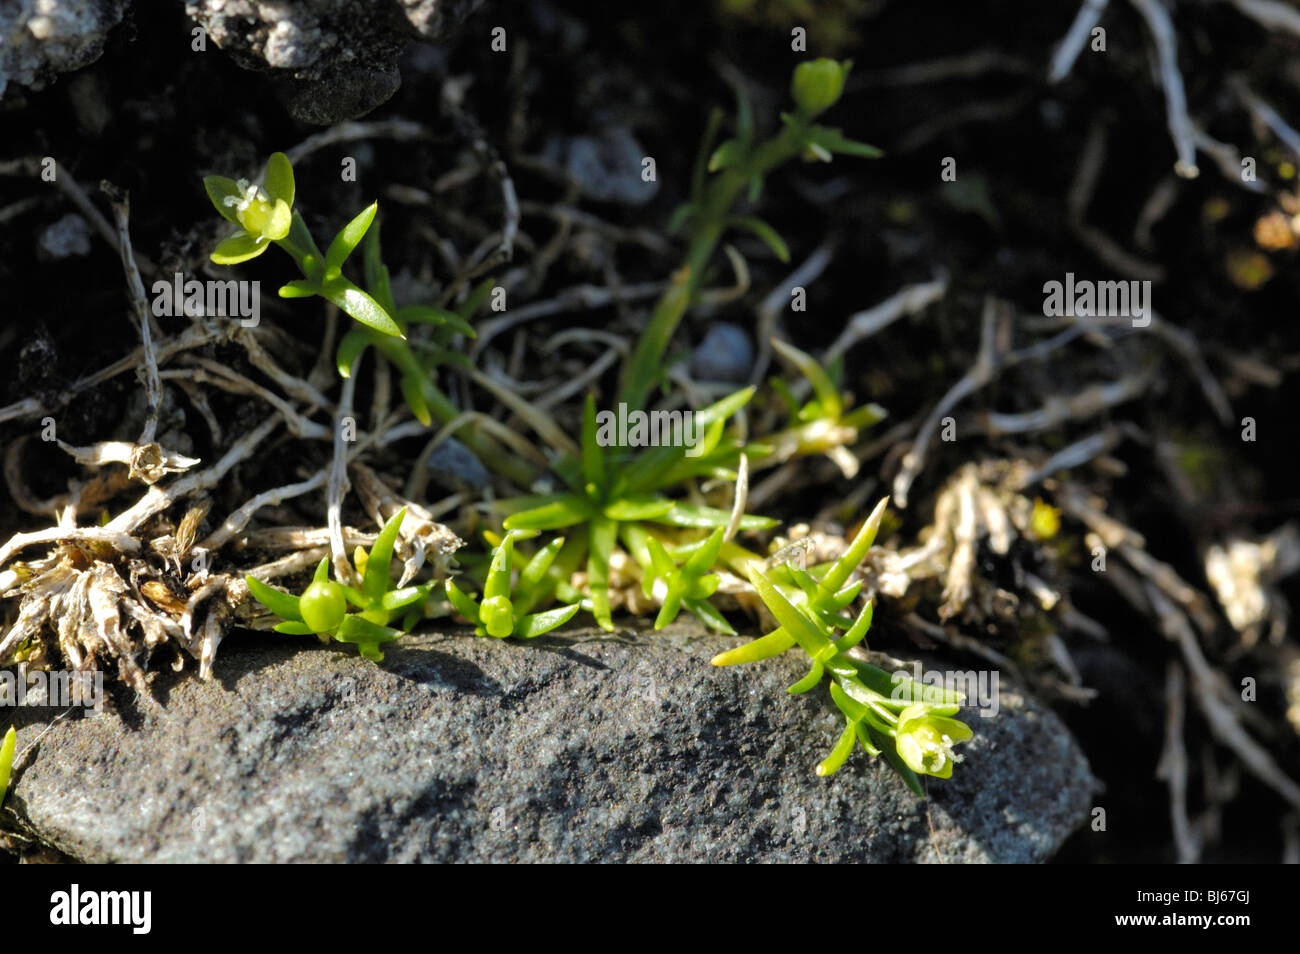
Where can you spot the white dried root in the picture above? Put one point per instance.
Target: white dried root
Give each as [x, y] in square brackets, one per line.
[147, 462]
[420, 538]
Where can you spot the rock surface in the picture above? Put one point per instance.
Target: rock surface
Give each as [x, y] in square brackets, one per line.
[339, 56]
[581, 748]
[41, 38]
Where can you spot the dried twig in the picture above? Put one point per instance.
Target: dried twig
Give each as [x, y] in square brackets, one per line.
[1075, 39]
[1180, 125]
[140, 305]
[1172, 767]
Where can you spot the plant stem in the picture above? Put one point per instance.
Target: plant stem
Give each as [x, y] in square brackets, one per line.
[710, 221]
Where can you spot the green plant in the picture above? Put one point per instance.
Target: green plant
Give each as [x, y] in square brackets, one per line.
[504, 610]
[266, 216]
[909, 723]
[6, 761]
[825, 424]
[690, 584]
[322, 607]
[612, 494]
[738, 166]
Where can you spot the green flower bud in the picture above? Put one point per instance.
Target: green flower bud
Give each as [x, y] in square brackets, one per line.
[817, 85]
[323, 606]
[497, 616]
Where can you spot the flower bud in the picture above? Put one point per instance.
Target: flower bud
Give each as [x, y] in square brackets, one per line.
[497, 616]
[817, 85]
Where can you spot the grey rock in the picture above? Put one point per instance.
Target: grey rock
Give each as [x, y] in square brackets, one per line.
[583, 748]
[338, 56]
[68, 236]
[725, 354]
[606, 166]
[453, 465]
[41, 38]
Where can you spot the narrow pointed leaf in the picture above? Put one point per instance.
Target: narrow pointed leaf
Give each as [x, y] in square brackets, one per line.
[843, 749]
[603, 533]
[375, 582]
[535, 624]
[462, 601]
[562, 510]
[765, 232]
[349, 237]
[284, 605]
[842, 568]
[358, 629]
[708, 614]
[806, 633]
[765, 647]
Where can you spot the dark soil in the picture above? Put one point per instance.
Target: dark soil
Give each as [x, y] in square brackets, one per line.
[152, 117]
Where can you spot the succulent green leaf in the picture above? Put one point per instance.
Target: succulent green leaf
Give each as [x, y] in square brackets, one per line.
[843, 749]
[810, 681]
[730, 153]
[805, 632]
[462, 601]
[350, 347]
[842, 568]
[413, 393]
[498, 575]
[832, 140]
[358, 629]
[639, 508]
[709, 615]
[353, 301]
[765, 647]
[535, 570]
[827, 394]
[537, 624]
[284, 605]
[603, 533]
[376, 581]
[394, 600]
[560, 510]
[299, 288]
[349, 237]
[691, 515]
[765, 232]
[427, 315]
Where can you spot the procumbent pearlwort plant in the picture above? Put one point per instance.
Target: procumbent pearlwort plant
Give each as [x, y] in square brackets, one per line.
[632, 518]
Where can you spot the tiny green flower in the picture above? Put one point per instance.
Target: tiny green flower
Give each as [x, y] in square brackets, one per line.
[925, 740]
[264, 212]
[816, 86]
